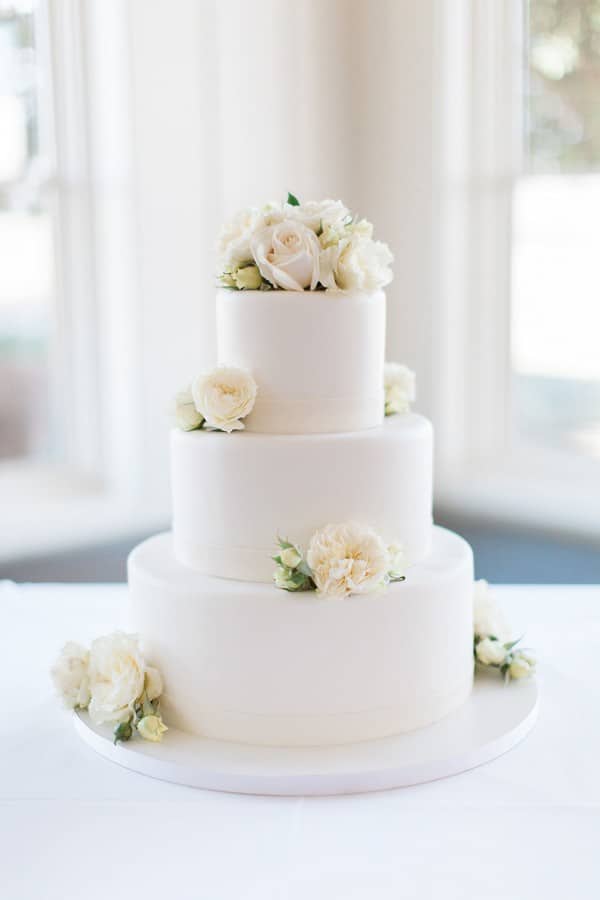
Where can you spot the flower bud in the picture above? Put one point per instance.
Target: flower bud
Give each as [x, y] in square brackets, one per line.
[152, 728]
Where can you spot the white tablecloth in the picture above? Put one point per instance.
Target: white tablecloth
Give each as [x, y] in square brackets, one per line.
[73, 825]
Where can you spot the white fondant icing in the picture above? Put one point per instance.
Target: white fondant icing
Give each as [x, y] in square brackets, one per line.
[233, 493]
[317, 357]
[253, 664]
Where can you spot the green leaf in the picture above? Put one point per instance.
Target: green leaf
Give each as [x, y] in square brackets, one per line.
[304, 568]
[277, 559]
[292, 201]
[122, 732]
[512, 644]
[285, 545]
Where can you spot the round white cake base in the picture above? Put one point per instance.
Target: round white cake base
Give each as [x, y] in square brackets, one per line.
[492, 721]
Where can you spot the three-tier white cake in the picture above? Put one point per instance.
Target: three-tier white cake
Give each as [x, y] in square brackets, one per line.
[243, 661]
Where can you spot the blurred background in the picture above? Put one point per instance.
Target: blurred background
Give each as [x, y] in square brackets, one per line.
[467, 130]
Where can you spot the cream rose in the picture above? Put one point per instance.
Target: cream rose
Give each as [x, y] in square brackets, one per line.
[224, 396]
[116, 672]
[488, 621]
[70, 676]
[347, 559]
[287, 255]
[318, 215]
[187, 416]
[399, 384]
[363, 264]
[490, 653]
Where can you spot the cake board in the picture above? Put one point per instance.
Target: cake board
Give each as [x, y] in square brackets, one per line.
[494, 719]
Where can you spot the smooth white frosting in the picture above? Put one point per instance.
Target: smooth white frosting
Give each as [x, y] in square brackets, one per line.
[316, 356]
[253, 664]
[234, 493]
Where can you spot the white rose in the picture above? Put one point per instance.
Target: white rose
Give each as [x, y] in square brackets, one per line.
[187, 416]
[490, 653]
[290, 557]
[224, 396]
[363, 264]
[318, 215]
[287, 255]
[487, 619]
[347, 559]
[70, 676]
[153, 683]
[116, 670]
[233, 246]
[152, 728]
[399, 384]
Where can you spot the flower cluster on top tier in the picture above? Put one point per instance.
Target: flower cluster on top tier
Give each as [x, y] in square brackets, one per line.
[492, 644]
[341, 560]
[113, 682]
[297, 246]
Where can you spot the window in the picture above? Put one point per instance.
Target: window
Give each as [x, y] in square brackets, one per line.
[556, 227]
[27, 270]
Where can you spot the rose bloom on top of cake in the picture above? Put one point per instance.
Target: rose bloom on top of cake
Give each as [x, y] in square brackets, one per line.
[295, 246]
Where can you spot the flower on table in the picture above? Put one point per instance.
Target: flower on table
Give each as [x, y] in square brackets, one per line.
[301, 246]
[114, 683]
[341, 560]
[217, 400]
[492, 645]
[400, 388]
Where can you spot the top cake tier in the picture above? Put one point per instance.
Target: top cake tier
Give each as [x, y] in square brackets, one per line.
[316, 356]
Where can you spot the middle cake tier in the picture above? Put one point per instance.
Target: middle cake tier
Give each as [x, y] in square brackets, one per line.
[233, 494]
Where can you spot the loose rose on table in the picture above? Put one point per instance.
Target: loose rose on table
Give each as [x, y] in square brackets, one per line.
[293, 246]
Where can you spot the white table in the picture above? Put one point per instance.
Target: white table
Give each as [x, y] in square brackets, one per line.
[75, 826]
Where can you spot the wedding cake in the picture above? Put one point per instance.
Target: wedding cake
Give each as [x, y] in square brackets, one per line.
[304, 595]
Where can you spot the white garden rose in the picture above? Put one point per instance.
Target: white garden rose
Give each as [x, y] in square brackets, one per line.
[287, 255]
[363, 264]
[224, 396]
[488, 621]
[116, 672]
[187, 416]
[318, 215]
[233, 246]
[70, 676]
[400, 388]
[490, 653]
[347, 559]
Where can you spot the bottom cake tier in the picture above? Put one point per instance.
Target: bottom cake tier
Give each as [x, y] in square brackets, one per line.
[249, 663]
